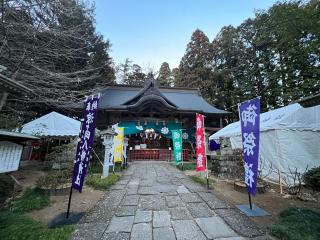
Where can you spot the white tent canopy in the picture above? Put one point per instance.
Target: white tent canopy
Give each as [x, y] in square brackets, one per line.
[53, 125]
[289, 140]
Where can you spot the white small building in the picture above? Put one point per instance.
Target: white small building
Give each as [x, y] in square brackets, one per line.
[11, 147]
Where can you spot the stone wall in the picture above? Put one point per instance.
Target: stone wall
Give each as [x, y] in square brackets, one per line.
[61, 156]
[227, 163]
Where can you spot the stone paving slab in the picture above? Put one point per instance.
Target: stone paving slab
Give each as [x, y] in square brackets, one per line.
[126, 211]
[120, 224]
[212, 201]
[141, 231]
[92, 231]
[174, 201]
[163, 233]
[215, 227]
[134, 182]
[147, 191]
[131, 200]
[118, 187]
[190, 197]
[161, 219]
[116, 236]
[146, 183]
[123, 181]
[165, 188]
[240, 223]
[164, 180]
[180, 213]
[187, 230]
[175, 181]
[143, 216]
[132, 190]
[182, 189]
[152, 202]
[199, 210]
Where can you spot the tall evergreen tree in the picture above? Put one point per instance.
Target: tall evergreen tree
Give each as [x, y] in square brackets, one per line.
[164, 77]
[225, 59]
[275, 56]
[195, 65]
[123, 71]
[136, 76]
[130, 74]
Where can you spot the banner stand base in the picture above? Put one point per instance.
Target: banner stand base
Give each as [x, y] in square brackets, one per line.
[254, 212]
[61, 220]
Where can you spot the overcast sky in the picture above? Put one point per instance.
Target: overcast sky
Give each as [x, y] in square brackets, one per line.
[149, 32]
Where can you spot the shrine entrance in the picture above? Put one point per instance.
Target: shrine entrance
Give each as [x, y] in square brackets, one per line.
[153, 140]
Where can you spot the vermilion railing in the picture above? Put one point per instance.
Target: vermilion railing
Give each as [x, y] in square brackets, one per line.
[154, 154]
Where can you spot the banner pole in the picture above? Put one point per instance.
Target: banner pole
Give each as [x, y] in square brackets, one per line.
[250, 200]
[205, 153]
[182, 159]
[69, 202]
[181, 149]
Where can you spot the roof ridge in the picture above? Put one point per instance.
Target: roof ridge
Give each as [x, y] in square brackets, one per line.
[150, 88]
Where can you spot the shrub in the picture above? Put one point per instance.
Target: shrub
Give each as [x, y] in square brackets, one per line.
[99, 183]
[296, 224]
[32, 199]
[62, 156]
[312, 178]
[54, 179]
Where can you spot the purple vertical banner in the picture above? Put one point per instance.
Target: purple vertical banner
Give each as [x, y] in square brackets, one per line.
[88, 125]
[250, 131]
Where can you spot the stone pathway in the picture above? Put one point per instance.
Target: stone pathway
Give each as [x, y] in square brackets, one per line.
[154, 200]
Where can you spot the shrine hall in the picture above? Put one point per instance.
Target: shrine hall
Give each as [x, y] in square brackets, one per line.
[148, 114]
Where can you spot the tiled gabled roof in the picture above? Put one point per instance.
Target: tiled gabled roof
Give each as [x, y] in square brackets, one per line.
[119, 97]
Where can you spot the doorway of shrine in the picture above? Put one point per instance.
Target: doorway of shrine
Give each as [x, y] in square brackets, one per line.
[152, 141]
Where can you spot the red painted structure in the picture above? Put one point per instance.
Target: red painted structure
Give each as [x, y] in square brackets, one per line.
[155, 154]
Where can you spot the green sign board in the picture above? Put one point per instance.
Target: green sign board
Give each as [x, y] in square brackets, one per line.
[177, 145]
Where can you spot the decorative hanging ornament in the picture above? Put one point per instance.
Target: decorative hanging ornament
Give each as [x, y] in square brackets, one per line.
[185, 136]
[139, 128]
[165, 130]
